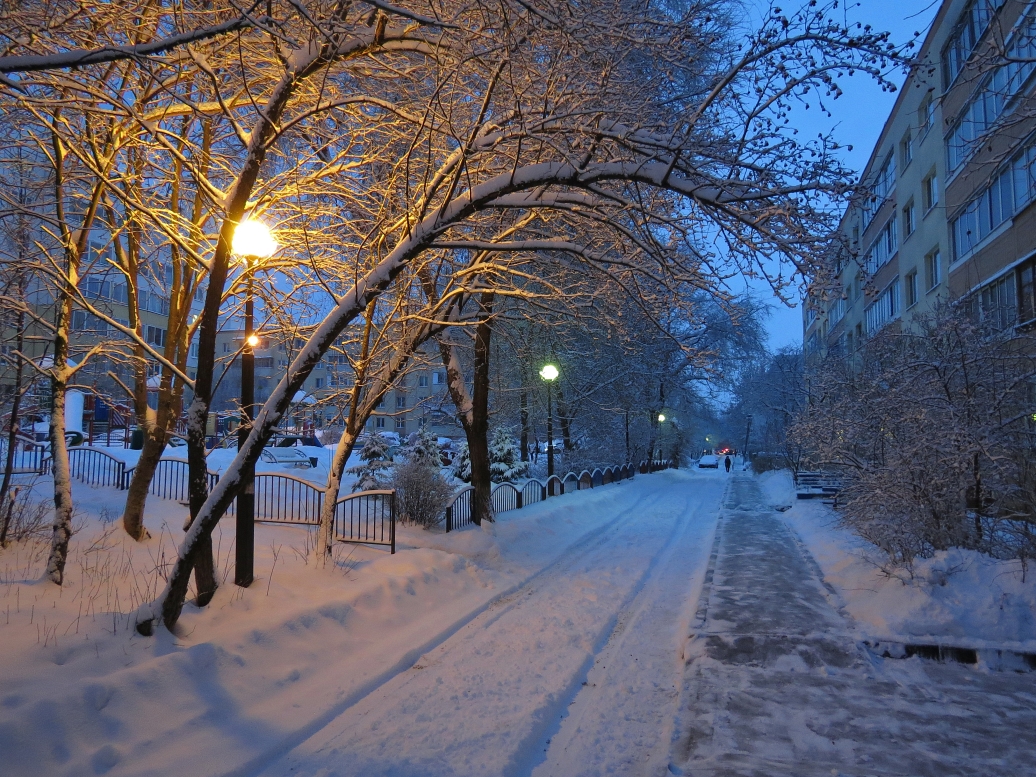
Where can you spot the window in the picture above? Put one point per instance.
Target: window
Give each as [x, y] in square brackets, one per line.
[837, 311]
[226, 347]
[155, 336]
[400, 401]
[926, 114]
[908, 219]
[930, 192]
[880, 190]
[932, 269]
[381, 402]
[911, 288]
[194, 350]
[994, 306]
[1011, 190]
[883, 248]
[379, 422]
[438, 378]
[994, 94]
[422, 381]
[884, 309]
[1027, 291]
[967, 33]
[318, 383]
[906, 149]
[401, 423]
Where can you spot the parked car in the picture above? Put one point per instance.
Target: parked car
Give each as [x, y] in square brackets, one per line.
[708, 461]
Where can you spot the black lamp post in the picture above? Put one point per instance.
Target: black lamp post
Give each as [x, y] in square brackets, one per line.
[549, 373]
[252, 242]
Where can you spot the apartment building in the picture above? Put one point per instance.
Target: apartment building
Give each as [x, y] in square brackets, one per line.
[417, 399]
[947, 215]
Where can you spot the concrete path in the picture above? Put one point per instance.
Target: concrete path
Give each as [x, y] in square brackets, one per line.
[778, 682]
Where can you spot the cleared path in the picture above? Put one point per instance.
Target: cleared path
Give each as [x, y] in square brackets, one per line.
[578, 671]
[778, 681]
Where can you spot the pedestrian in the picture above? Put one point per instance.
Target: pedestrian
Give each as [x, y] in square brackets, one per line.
[726, 462]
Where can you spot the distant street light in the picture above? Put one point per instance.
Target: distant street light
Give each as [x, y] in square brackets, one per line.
[253, 243]
[549, 373]
[661, 418]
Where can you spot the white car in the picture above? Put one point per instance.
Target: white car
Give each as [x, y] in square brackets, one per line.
[708, 461]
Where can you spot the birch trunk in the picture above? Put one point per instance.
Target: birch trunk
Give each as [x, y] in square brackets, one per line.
[62, 525]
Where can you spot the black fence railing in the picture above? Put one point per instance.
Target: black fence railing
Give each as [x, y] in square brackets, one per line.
[30, 457]
[508, 496]
[287, 499]
[97, 468]
[367, 517]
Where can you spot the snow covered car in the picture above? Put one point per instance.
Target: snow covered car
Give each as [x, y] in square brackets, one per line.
[708, 462]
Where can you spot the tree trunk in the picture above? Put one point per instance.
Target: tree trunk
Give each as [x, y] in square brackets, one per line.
[524, 416]
[12, 431]
[346, 443]
[565, 420]
[473, 409]
[478, 431]
[62, 526]
[140, 482]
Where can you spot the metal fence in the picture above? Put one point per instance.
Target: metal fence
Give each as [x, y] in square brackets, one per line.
[287, 499]
[97, 468]
[30, 457]
[508, 496]
[367, 517]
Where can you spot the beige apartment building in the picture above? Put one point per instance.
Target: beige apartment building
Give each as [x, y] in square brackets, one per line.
[948, 214]
[417, 399]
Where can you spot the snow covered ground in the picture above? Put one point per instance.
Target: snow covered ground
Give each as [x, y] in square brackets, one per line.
[673, 624]
[516, 615]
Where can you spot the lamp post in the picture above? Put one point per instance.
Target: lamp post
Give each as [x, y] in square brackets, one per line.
[549, 373]
[252, 242]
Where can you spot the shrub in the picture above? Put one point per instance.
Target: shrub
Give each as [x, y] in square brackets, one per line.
[421, 493]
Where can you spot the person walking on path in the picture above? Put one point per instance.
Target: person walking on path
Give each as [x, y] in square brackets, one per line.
[726, 462]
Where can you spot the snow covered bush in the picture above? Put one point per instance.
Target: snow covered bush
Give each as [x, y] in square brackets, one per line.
[505, 462]
[374, 455]
[422, 493]
[932, 429]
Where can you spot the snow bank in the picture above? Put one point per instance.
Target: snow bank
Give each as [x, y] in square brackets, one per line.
[958, 597]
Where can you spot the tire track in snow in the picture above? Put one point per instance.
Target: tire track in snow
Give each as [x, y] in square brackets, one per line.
[475, 704]
[493, 609]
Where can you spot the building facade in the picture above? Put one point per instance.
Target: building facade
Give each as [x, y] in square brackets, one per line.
[947, 212]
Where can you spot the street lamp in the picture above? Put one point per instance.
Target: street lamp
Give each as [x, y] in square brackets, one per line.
[661, 418]
[549, 373]
[252, 242]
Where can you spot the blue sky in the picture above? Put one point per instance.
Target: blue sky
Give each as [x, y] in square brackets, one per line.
[857, 119]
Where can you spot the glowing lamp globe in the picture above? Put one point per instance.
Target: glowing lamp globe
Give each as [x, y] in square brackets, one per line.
[661, 418]
[253, 341]
[549, 372]
[252, 238]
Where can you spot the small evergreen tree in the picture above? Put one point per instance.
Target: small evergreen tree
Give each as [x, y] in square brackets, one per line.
[374, 456]
[422, 447]
[462, 464]
[505, 462]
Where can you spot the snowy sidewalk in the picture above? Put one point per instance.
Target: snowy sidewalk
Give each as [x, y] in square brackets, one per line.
[778, 682]
[577, 671]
